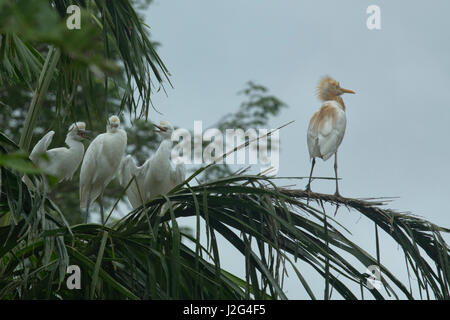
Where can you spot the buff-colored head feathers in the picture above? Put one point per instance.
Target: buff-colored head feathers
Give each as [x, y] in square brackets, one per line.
[329, 89]
[81, 126]
[114, 119]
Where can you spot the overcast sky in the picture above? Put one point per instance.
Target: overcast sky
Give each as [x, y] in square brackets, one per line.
[398, 123]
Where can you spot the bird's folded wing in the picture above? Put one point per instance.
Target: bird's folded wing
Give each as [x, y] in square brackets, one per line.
[136, 191]
[178, 175]
[330, 134]
[326, 125]
[312, 137]
[127, 169]
[88, 174]
[41, 147]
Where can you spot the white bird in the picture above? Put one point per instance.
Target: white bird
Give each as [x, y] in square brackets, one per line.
[100, 164]
[60, 162]
[156, 176]
[327, 126]
[161, 177]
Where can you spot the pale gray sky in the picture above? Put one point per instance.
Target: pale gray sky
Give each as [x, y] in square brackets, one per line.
[398, 123]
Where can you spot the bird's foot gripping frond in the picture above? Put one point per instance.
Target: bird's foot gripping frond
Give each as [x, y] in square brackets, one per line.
[308, 192]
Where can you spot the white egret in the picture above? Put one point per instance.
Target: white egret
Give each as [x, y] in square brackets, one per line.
[156, 176]
[327, 126]
[161, 177]
[60, 162]
[100, 164]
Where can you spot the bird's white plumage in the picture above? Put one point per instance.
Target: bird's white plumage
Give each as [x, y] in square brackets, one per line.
[41, 147]
[178, 175]
[161, 177]
[326, 130]
[156, 176]
[60, 162]
[137, 192]
[101, 161]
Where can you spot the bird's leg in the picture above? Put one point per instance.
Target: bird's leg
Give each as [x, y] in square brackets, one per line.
[308, 186]
[101, 205]
[336, 175]
[88, 203]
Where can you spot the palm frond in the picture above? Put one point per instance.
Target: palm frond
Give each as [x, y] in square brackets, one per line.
[142, 256]
[111, 48]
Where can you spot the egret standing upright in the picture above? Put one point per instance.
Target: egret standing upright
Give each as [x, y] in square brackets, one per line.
[156, 176]
[161, 177]
[100, 164]
[327, 126]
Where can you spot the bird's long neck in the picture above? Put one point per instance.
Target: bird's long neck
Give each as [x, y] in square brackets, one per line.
[164, 148]
[326, 94]
[74, 145]
[339, 100]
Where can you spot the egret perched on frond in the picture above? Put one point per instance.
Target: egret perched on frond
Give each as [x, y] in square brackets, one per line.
[327, 126]
[156, 176]
[100, 164]
[161, 177]
[60, 162]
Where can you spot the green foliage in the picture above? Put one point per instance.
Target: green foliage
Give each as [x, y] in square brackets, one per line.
[110, 31]
[81, 80]
[18, 161]
[26, 24]
[122, 261]
[141, 256]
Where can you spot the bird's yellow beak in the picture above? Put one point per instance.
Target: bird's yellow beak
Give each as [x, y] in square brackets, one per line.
[84, 134]
[347, 91]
